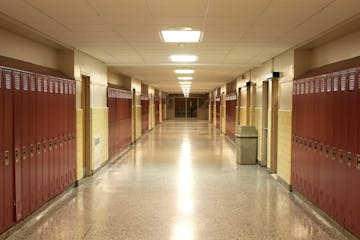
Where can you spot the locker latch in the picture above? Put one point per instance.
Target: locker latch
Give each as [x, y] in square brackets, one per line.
[327, 151]
[305, 144]
[315, 147]
[31, 150]
[60, 141]
[310, 146]
[321, 149]
[38, 148]
[55, 143]
[358, 161]
[16, 155]
[334, 154]
[44, 146]
[349, 159]
[50, 145]
[6, 158]
[23, 152]
[341, 156]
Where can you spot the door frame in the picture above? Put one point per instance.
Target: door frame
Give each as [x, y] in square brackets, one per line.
[86, 116]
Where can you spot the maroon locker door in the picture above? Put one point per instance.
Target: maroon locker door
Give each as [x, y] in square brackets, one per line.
[39, 150]
[163, 109]
[352, 220]
[73, 132]
[61, 126]
[230, 115]
[6, 145]
[301, 137]
[157, 111]
[32, 142]
[144, 114]
[341, 145]
[57, 124]
[218, 112]
[25, 143]
[67, 137]
[46, 106]
[314, 91]
[109, 104]
[51, 136]
[322, 136]
[329, 153]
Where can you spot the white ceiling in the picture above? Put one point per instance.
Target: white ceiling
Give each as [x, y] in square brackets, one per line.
[238, 34]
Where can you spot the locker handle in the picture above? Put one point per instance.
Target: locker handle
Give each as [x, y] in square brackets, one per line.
[60, 142]
[23, 152]
[44, 146]
[349, 159]
[55, 143]
[321, 149]
[6, 158]
[31, 150]
[358, 161]
[327, 151]
[38, 148]
[341, 156]
[315, 147]
[50, 145]
[334, 154]
[16, 155]
[310, 145]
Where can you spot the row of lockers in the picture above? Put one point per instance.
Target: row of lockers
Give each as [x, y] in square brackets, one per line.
[231, 115]
[37, 144]
[325, 145]
[119, 105]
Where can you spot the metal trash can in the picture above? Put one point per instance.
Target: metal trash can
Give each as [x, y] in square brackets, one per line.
[246, 145]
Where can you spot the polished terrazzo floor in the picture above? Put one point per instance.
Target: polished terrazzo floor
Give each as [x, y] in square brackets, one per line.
[179, 182]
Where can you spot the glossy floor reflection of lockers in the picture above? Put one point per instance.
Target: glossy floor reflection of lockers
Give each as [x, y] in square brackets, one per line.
[180, 182]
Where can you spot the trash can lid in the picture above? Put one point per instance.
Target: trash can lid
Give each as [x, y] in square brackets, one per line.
[246, 131]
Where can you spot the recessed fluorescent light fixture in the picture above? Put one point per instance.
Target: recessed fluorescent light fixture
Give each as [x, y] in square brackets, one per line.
[184, 71]
[183, 58]
[185, 83]
[185, 78]
[176, 36]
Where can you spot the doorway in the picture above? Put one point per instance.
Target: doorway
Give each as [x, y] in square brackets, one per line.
[264, 114]
[85, 106]
[180, 108]
[191, 107]
[274, 123]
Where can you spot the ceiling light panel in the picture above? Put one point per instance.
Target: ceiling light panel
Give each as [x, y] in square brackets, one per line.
[183, 58]
[185, 78]
[185, 83]
[172, 36]
[184, 71]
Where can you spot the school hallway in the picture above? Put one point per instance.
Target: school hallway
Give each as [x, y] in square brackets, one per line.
[180, 181]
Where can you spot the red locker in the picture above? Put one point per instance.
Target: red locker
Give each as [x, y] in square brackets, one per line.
[61, 126]
[39, 150]
[45, 135]
[322, 136]
[32, 142]
[157, 110]
[57, 126]
[218, 112]
[352, 218]
[230, 115]
[67, 136]
[51, 136]
[25, 143]
[73, 128]
[145, 113]
[6, 147]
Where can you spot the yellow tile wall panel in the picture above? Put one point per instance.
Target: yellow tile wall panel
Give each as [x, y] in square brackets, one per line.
[99, 136]
[284, 145]
[242, 115]
[79, 144]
